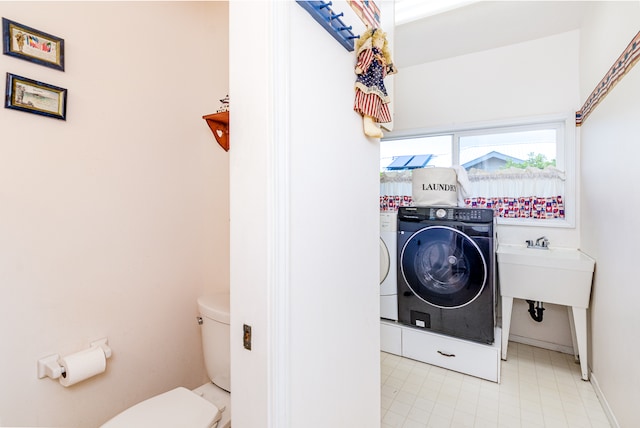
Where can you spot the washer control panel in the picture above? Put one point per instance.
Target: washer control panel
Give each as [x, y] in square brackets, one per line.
[471, 215]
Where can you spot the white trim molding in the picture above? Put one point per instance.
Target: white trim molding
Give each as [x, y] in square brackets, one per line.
[278, 206]
[603, 401]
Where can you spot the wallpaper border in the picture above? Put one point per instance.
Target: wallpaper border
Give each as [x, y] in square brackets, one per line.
[621, 66]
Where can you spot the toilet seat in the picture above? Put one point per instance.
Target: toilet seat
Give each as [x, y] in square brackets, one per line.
[176, 408]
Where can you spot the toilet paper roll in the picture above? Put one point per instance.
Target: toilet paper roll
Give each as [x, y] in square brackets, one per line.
[82, 365]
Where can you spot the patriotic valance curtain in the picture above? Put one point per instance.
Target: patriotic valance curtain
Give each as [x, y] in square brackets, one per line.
[511, 193]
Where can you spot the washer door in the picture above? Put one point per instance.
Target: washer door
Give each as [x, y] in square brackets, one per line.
[385, 261]
[443, 266]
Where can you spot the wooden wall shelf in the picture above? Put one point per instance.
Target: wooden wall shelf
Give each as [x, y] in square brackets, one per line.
[219, 124]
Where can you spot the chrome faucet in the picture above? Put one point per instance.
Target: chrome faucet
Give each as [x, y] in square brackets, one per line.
[541, 243]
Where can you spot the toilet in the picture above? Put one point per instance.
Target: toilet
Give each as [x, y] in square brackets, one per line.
[207, 406]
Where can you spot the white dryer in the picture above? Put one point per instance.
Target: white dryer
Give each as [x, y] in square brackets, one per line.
[388, 266]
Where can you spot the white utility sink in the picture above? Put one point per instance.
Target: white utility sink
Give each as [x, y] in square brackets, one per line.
[554, 275]
[561, 276]
[559, 258]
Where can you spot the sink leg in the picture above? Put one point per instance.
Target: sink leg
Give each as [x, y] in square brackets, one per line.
[507, 307]
[580, 321]
[574, 339]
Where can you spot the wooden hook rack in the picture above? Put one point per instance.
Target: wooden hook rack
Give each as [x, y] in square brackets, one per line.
[330, 21]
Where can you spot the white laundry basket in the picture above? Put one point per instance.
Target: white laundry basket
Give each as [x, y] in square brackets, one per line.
[434, 186]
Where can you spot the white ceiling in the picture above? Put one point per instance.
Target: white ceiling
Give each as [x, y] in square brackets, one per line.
[482, 25]
[412, 10]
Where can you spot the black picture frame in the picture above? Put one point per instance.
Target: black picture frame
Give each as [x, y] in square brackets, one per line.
[31, 96]
[32, 45]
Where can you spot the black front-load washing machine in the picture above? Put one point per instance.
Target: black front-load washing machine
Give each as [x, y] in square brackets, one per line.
[446, 271]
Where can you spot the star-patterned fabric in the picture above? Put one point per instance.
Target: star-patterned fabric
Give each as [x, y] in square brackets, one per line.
[371, 94]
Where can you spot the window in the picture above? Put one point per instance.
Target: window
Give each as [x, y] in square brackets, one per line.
[496, 151]
[518, 170]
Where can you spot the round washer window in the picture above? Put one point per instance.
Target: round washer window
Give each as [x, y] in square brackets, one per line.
[443, 267]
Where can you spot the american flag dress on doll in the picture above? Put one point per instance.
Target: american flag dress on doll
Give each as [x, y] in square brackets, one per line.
[373, 65]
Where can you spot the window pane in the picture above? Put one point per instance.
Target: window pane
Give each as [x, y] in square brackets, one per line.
[436, 151]
[492, 152]
[495, 160]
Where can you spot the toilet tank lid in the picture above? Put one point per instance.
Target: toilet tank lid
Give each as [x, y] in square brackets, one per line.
[215, 306]
[176, 408]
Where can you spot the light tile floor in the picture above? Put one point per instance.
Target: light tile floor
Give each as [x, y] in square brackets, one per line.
[539, 388]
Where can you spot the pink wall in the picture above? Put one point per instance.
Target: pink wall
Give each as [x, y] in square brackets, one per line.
[115, 220]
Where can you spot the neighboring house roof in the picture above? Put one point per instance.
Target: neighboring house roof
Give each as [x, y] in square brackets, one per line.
[491, 155]
[409, 162]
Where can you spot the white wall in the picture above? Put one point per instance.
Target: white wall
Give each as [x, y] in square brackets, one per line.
[115, 220]
[531, 79]
[335, 335]
[610, 146]
[304, 233]
[526, 79]
[250, 138]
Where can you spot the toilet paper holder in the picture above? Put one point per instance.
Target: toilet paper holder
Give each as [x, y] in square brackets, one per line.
[49, 366]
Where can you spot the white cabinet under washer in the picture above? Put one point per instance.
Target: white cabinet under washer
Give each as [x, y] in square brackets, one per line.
[460, 355]
[390, 337]
[472, 358]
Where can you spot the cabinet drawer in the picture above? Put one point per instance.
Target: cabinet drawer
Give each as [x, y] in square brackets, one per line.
[451, 353]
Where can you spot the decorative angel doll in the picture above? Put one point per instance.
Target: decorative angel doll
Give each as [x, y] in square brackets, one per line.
[374, 64]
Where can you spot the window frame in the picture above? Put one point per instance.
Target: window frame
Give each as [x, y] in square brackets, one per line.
[566, 154]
